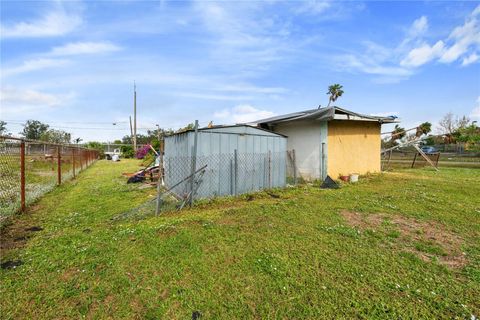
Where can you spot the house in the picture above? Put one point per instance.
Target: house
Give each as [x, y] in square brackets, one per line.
[330, 141]
[239, 159]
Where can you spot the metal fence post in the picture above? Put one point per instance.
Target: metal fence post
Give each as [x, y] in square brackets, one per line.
[80, 158]
[194, 162]
[294, 160]
[269, 169]
[235, 171]
[323, 173]
[159, 199]
[59, 166]
[22, 176]
[52, 159]
[231, 177]
[73, 161]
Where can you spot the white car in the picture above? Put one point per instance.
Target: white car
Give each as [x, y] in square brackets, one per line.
[115, 155]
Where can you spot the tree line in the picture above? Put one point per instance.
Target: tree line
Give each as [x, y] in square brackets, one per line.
[451, 129]
[37, 130]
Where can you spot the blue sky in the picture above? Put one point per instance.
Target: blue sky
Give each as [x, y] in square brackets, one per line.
[72, 64]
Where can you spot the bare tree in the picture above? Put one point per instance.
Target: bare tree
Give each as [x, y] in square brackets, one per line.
[462, 122]
[450, 126]
[447, 124]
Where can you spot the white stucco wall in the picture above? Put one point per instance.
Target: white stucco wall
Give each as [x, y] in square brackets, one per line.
[306, 137]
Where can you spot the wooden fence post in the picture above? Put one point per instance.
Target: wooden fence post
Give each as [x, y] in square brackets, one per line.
[22, 176]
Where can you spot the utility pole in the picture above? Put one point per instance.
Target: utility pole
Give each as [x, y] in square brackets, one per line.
[131, 130]
[158, 132]
[134, 117]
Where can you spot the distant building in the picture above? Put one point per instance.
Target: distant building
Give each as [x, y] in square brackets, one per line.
[331, 141]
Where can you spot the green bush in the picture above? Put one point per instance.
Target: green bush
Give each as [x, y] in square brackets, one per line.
[127, 151]
[97, 146]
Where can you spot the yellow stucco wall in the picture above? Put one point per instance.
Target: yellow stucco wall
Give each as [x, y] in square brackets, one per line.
[353, 147]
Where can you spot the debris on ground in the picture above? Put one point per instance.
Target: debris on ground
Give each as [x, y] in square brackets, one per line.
[11, 264]
[329, 183]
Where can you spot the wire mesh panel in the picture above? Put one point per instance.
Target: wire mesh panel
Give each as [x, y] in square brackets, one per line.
[9, 175]
[291, 167]
[41, 170]
[226, 174]
[406, 159]
[29, 169]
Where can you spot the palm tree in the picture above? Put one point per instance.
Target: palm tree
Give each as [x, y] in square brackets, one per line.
[335, 91]
[424, 128]
[397, 133]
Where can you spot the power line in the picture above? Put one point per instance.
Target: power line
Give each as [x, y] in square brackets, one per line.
[77, 122]
[86, 128]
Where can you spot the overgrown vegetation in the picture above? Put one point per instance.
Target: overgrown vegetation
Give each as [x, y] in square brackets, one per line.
[295, 255]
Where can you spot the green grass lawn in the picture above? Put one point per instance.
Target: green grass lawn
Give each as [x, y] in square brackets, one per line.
[40, 178]
[399, 245]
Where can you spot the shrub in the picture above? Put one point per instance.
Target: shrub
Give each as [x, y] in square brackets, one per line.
[127, 151]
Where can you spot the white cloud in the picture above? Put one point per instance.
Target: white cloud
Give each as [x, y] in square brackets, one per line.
[314, 7]
[34, 65]
[75, 48]
[463, 40]
[26, 101]
[421, 55]
[248, 88]
[55, 23]
[241, 38]
[476, 111]
[242, 113]
[419, 27]
[368, 65]
[12, 95]
[384, 62]
[213, 96]
[398, 63]
[47, 60]
[470, 59]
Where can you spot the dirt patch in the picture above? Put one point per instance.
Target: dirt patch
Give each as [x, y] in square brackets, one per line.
[16, 234]
[427, 240]
[34, 229]
[69, 274]
[13, 236]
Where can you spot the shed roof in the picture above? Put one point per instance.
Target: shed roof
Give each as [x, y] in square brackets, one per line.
[243, 129]
[325, 114]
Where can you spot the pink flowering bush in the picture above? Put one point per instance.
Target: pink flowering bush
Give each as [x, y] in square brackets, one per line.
[143, 151]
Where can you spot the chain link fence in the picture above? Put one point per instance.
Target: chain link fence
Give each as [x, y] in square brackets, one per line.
[408, 158]
[226, 174]
[29, 169]
[187, 178]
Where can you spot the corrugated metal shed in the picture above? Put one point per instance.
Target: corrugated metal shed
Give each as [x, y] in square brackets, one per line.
[260, 161]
